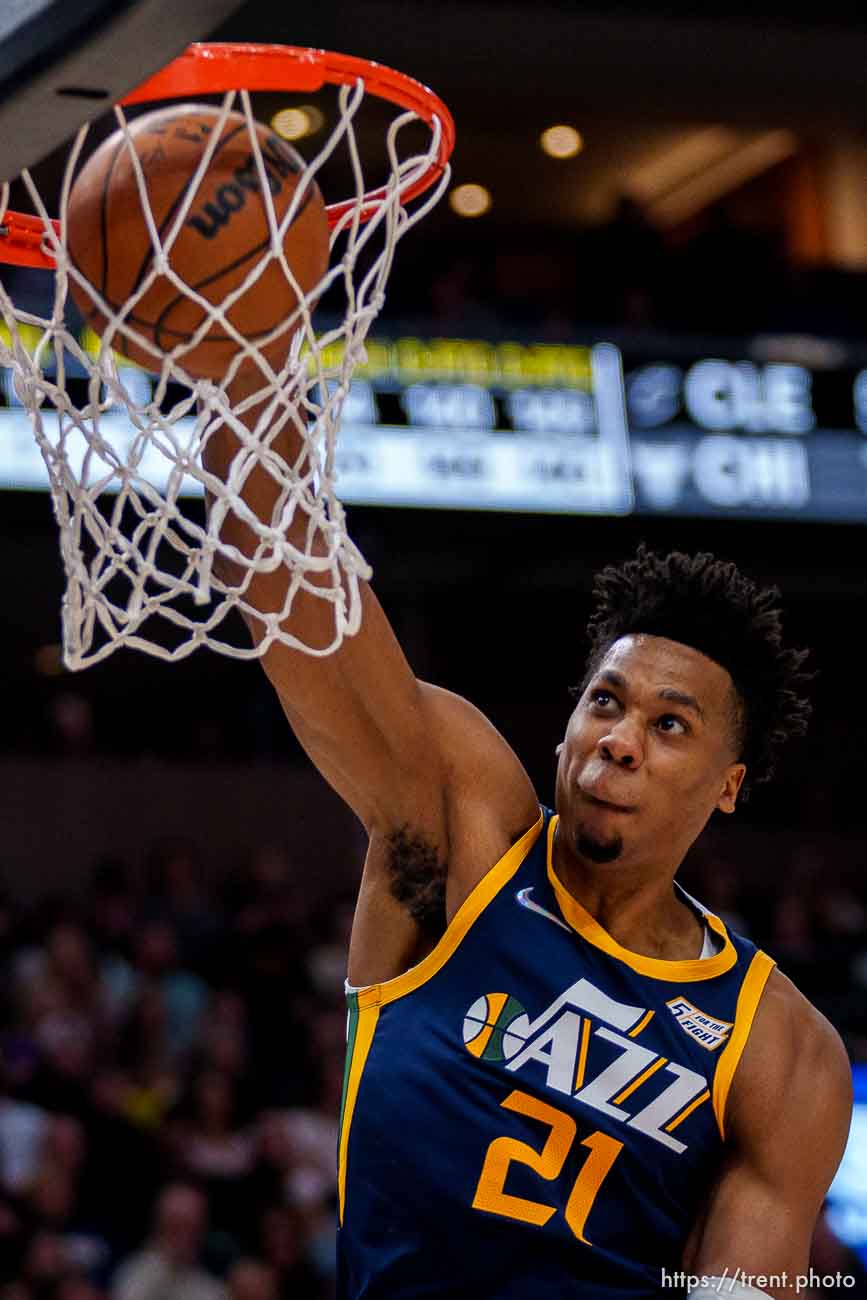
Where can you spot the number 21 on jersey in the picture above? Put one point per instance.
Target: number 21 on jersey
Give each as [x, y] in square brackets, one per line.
[548, 1163]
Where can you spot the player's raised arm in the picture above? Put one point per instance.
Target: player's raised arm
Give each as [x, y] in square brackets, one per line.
[393, 747]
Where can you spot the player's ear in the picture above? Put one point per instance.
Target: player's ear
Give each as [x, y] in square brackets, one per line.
[734, 778]
[559, 750]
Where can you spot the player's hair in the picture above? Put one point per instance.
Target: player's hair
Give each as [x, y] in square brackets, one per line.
[710, 605]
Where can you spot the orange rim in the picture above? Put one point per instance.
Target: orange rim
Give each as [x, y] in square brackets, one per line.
[218, 68]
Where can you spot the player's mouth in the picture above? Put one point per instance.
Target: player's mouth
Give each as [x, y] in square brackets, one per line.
[609, 805]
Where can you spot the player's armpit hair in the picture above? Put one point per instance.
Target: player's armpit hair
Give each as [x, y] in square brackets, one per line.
[710, 605]
[418, 879]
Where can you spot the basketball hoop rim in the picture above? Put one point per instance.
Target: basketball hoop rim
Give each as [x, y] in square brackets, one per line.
[216, 68]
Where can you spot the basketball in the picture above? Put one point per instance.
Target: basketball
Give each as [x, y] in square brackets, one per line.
[224, 235]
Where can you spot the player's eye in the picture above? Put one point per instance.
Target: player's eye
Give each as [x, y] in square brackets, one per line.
[672, 725]
[601, 698]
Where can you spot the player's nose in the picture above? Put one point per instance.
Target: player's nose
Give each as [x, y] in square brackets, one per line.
[622, 745]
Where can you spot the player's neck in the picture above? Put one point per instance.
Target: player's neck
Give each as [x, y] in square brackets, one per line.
[635, 904]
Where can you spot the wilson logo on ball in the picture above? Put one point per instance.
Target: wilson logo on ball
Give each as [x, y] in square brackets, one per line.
[231, 196]
[198, 310]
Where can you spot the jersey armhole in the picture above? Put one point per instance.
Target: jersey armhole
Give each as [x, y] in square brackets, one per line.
[467, 914]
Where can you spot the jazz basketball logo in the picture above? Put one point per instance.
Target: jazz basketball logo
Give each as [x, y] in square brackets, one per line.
[488, 1027]
[585, 1045]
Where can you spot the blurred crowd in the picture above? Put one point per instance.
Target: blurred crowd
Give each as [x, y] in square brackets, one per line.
[804, 903]
[172, 1062]
[728, 272]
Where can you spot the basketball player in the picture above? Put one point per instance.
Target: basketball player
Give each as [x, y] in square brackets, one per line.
[566, 1079]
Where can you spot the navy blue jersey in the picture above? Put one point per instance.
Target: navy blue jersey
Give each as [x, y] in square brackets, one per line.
[534, 1112]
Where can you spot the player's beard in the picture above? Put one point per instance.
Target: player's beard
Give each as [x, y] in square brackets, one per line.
[599, 851]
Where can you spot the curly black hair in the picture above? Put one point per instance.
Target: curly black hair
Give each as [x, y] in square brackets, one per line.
[710, 605]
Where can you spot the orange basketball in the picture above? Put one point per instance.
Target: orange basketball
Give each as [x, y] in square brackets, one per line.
[224, 235]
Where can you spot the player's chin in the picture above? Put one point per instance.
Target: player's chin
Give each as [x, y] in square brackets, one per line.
[595, 849]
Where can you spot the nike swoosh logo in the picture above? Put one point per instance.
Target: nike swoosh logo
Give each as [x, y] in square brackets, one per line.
[523, 897]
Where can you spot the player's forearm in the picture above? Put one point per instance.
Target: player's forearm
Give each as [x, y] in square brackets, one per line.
[357, 707]
[266, 588]
[259, 489]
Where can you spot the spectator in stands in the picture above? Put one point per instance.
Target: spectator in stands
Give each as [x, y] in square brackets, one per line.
[22, 1130]
[111, 905]
[223, 1042]
[52, 1206]
[59, 989]
[15, 1291]
[45, 1263]
[273, 981]
[269, 1183]
[11, 1241]
[168, 1267]
[176, 894]
[215, 1149]
[793, 938]
[326, 961]
[78, 1288]
[312, 1137]
[120, 1153]
[284, 1246]
[152, 1081]
[161, 964]
[263, 894]
[251, 1280]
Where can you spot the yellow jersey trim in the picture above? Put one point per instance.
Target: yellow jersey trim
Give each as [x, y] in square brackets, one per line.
[367, 1018]
[467, 914]
[748, 1000]
[698, 968]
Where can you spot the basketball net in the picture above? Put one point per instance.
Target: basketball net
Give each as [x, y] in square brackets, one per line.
[121, 454]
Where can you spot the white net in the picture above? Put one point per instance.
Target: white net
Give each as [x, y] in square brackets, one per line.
[124, 451]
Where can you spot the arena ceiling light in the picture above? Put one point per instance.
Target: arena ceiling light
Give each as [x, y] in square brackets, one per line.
[701, 167]
[470, 200]
[561, 141]
[297, 122]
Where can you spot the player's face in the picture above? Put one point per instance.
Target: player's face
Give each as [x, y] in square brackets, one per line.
[649, 753]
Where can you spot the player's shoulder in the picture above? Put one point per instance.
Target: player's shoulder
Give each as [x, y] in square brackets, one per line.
[790, 1021]
[793, 1053]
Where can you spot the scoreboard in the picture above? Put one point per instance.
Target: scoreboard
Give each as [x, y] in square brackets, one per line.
[607, 429]
[422, 438]
[651, 427]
